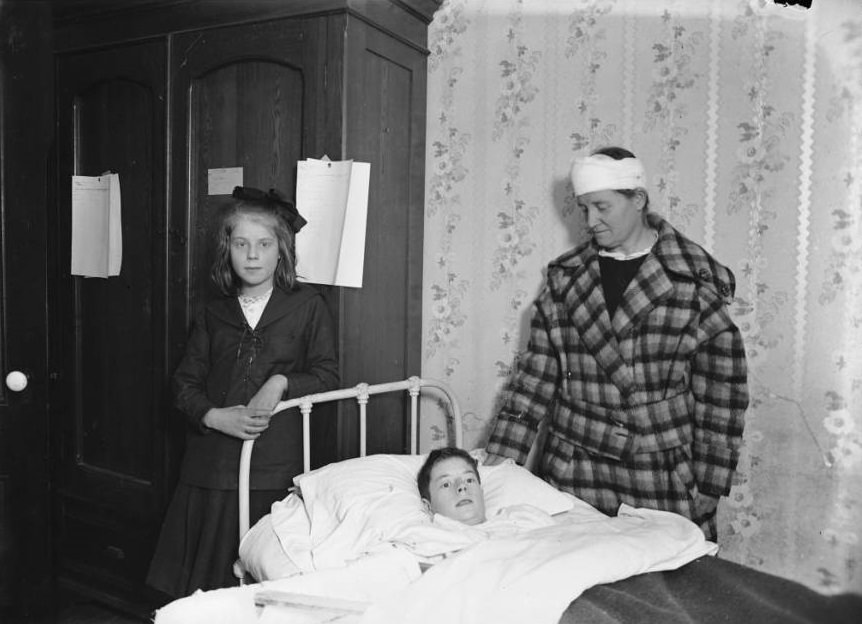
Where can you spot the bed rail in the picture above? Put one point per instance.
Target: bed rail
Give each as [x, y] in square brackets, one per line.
[361, 392]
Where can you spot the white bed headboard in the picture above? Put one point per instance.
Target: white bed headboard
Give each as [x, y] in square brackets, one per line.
[361, 392]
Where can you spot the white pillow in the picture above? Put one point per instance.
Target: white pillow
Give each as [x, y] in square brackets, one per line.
[509, 484]
[381, 493]
[378, 491]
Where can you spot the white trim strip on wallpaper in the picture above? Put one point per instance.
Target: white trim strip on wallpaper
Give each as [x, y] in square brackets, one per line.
[629, 24]
[804, 215]
[712, 127]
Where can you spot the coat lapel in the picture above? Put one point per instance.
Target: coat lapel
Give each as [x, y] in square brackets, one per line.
[586, 301]
[650, 286]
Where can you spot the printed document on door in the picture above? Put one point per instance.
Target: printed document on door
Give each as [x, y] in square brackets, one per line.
[97, 231]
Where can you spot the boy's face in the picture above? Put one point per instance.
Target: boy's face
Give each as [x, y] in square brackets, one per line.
[455, 491]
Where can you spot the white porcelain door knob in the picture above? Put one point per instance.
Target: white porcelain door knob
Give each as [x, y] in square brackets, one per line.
[16, 381]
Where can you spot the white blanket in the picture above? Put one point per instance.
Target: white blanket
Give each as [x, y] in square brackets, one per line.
[529, 577]
[532, 577]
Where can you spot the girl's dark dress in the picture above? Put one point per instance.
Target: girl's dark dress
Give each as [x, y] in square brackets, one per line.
[226, 362]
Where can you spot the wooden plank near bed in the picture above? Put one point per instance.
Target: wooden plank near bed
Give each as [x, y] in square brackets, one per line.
[336, 608]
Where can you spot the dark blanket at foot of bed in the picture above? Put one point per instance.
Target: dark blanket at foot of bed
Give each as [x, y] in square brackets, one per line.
[711, 591]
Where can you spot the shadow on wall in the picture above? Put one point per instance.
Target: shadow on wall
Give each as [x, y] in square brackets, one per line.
[572, 220]
[571, 217]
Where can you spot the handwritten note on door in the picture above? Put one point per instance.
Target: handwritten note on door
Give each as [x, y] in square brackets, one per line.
[333, 197]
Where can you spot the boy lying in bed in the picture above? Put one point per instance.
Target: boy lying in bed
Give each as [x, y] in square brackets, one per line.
[552, 565]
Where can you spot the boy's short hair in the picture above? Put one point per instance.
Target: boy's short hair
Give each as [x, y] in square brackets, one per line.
[437, 455]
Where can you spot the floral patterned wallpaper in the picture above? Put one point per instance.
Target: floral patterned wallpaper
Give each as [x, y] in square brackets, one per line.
[748, 115]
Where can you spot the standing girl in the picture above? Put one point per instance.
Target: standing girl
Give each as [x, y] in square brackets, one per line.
[268, 339]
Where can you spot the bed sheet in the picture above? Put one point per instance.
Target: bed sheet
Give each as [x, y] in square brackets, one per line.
[711, 590]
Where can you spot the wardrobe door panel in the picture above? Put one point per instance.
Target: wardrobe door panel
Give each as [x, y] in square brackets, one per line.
[110, 401]
[385, 113]
[114, 336]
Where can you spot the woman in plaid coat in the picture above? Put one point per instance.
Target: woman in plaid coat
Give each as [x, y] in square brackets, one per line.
[633, 360]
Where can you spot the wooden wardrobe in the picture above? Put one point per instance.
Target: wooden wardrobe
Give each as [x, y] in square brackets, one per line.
[162, 92]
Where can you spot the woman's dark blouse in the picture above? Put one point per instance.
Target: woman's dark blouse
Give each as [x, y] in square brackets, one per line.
[616, 276]
[226, 362]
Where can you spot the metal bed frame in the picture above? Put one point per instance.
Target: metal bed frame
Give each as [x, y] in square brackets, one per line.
[361, 392]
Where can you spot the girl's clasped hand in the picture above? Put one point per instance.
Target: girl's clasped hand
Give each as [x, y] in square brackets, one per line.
[239, 421]
[247, 422]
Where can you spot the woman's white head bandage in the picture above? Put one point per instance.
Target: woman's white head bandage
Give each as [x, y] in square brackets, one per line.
[603, 173]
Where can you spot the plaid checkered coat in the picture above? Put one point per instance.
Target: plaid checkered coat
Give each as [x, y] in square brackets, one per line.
[646, 408]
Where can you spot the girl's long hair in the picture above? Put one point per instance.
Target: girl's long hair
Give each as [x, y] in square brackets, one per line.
[274, 216]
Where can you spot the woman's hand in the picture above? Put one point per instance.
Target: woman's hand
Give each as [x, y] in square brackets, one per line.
[270, 393]
[239, 421]
[705, 504]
